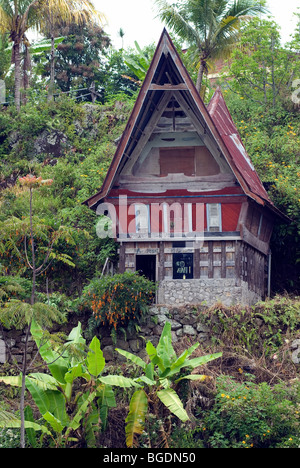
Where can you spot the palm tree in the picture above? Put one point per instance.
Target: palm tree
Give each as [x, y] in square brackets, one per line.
[15, 19]
[121, 34]
[210, 27]
[18, 16]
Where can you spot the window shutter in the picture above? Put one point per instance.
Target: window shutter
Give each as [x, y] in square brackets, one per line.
[214, 223]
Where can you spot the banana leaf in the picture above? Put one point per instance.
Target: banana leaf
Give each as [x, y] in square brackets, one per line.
[171, 400]
[95, 359]
[132, 357]
[136, 417]
[119, 381]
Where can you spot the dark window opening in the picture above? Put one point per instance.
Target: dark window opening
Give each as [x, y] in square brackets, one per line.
[183, 265]
[178, 244]
[146, 266]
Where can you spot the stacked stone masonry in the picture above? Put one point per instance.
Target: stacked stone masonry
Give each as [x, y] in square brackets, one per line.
[206, 291]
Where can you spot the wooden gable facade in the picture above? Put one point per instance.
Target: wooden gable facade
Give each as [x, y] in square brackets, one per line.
[188, 208]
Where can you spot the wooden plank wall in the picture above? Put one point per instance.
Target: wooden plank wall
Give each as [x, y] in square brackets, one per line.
[212, 259]
[254, 269]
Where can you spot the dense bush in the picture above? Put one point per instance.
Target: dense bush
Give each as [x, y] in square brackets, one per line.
[118, 301]
[248, 415]
[89, 132]
[261, 329]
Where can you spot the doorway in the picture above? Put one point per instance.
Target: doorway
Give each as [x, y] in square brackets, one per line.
[146, 266]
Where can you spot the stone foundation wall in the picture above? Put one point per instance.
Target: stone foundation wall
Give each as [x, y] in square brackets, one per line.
[206, 291]
[13, 346]
[184, 322]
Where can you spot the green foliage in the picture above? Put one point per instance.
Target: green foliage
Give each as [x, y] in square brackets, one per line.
[262, 69]
[18, 314]
[139, 62]
[9, 438]
[89, 132]
[246, 415]
[164, 370]
[80, 57]
[65, 409]
[261, 329]
[118, 301]
[5, 58]
[13, 287]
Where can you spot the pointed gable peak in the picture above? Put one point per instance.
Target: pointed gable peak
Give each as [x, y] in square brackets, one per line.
[219, 112]
[166, 67]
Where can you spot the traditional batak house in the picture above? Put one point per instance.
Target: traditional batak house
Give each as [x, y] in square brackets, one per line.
[186, 204]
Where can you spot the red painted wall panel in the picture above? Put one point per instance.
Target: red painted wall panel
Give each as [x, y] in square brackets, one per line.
[230, 216]
[126, 217]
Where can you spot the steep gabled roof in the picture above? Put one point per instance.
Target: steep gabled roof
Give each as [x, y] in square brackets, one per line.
[222, 119]
[168, 78]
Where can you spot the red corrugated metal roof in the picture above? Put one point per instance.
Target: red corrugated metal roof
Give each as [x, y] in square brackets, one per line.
[231, 137]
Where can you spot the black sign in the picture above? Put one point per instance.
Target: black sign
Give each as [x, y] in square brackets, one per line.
[183, 266]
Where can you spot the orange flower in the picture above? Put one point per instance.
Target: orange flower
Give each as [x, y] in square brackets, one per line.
[32, 181]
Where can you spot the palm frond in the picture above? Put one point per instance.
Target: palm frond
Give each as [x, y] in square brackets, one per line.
[240, 8]
[177, 20]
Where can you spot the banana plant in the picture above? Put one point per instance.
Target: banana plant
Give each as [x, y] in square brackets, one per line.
[138, 64]
[54, 393]
[163, 371]
[44, 45]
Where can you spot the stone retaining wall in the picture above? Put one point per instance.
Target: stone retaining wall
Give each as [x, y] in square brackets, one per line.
[14, 349]
[184, 322]
[208, 291]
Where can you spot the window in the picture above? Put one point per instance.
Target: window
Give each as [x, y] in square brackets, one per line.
[214, 217]
[142, 219]
[183, 265]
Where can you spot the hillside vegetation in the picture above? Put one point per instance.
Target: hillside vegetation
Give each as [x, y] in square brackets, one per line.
[240, 387]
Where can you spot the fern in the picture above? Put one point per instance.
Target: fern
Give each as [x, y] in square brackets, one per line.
[18, 314]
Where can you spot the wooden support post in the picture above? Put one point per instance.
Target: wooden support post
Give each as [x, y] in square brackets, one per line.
[223, 259]
[197, 263]
[122, 259]
[238, 263]
[210, 259]
[161, 264]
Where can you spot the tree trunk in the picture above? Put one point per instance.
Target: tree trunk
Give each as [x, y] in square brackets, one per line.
[23, 389]
[26, 72]
[22, 404]
[17, 61]
[24, 365]
[52, 69]
[33, 253]
[200, 74]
